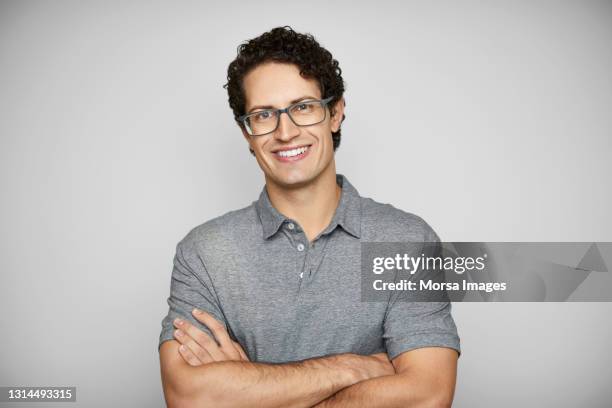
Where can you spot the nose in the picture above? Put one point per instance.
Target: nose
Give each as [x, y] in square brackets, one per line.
[286, 130]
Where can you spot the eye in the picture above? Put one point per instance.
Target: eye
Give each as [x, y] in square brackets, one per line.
[304, 107]
[263, 115]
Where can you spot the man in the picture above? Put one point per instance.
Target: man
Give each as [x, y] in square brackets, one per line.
[265, 306]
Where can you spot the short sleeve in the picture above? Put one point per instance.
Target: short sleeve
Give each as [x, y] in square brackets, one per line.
[190, 287]
[410, 325]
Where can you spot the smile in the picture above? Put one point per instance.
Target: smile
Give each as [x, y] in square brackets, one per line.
[293, 154]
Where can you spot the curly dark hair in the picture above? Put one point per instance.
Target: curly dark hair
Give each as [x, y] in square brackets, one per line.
[283, 44]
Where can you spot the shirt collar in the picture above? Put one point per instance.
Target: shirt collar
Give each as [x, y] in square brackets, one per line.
[347, 215]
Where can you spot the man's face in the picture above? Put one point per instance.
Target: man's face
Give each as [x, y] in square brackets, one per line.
[278, 85]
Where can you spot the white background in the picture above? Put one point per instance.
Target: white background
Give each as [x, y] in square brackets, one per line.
[491, 120]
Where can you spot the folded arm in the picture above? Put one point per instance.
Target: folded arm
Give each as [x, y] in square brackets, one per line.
[425, 377]
[216, 372]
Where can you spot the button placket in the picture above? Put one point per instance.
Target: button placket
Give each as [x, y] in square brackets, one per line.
[302, 256]
[307, 266]
[300, 236]
[300, 247]
[315, 256]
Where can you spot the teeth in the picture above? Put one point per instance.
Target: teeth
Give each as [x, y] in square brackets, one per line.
[294, 152]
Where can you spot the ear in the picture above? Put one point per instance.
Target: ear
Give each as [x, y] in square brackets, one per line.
[337, 113]
[248, 138]
[245, 135]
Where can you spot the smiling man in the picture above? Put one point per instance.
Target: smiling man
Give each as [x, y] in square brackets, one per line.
[265, 305]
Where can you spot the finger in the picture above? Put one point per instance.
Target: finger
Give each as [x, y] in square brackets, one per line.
[381, 356]
[218, 330]
[240, 350]
[216, 327]
[202, 339]
[198, 351]
[188, 356]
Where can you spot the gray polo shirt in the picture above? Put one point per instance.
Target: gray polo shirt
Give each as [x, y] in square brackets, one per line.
[285, 299]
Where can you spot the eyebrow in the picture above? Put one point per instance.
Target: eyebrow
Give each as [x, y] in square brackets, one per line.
[301, 98]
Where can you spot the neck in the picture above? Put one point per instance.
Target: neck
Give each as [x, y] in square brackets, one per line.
[312, 205]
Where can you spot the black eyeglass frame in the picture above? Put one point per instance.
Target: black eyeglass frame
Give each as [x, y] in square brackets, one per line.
[242, 119]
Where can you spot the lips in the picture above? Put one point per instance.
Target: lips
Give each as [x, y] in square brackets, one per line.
[288, 148]
[292, 153]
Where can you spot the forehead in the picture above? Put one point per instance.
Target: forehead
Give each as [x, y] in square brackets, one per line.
[277, 84]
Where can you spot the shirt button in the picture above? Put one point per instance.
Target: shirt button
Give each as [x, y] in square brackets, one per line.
[300, 247]
[290, 226]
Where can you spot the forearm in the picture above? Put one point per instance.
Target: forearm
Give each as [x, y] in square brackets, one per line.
[247, 384]
[397, 390]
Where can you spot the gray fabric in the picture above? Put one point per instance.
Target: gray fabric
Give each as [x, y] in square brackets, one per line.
[282, 304]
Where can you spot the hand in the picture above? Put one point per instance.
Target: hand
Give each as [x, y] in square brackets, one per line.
[199, 348]
[372, 366]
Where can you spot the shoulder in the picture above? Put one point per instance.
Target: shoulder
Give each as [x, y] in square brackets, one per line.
[384, 222]
[223, 230]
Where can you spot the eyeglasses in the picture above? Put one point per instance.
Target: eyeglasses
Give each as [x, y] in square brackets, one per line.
[303, 113]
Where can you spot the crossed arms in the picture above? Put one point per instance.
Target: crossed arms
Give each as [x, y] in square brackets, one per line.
[201, 371]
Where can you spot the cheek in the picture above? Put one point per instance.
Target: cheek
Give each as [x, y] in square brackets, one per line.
[328, 139]
[264, 157]
[259, 145]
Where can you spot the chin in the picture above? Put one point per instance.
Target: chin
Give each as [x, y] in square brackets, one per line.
[292, 180]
